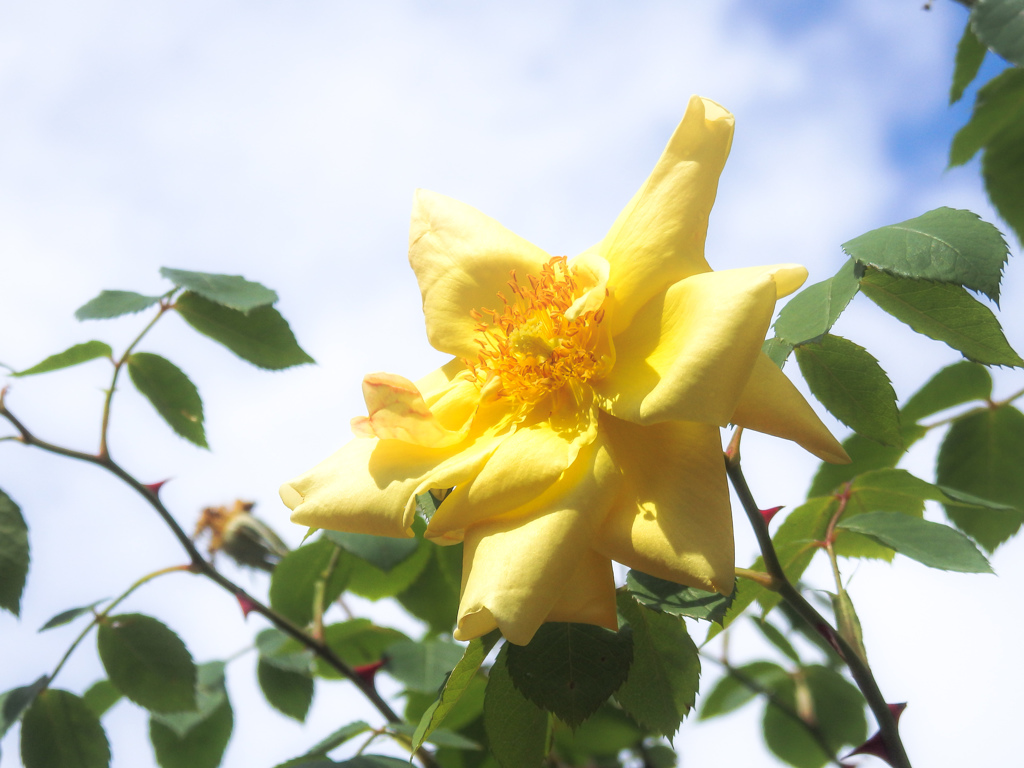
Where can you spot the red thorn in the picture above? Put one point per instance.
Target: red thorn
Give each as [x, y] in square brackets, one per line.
[247, 605]
[769, 513]
[154, 488]
[876, 744]
[369, 671]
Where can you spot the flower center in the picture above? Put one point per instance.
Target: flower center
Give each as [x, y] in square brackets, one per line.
[531, 348]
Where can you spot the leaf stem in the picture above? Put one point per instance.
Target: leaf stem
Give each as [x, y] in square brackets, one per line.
[861, 672]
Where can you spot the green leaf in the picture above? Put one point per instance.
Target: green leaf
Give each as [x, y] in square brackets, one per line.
[775, 637]
[261, 336]
[945, 245]
[147, 662]
[998, 106]
[777, 350]
[382, 552]
[669, 597]
[943, 312]
[357, 641]
[571, 669]
[960, 383]
[293, 584]
[371, 582]
[433, 597]
[59, 731]
[14, 702]
[284, 652]
[455, 686]
[811, 313]
[79, 353]
[442, 737]
[933, 544]
[847, 620]
[290, 693]
[740, 685]
[982, 454]
[231, 291]
[114, 304]
[665, 673]
[66, 617]
[970, 52]
[848, 381]
[422, 665]
[374, 761]
[464, 716]
[171, 393]
[1002, 168]
[999, 24]
[517, 729]
[605, 734]
[335, 740]
[196, 739]
[838, 711]
[865, 455]
[101, 696]
[14, 555]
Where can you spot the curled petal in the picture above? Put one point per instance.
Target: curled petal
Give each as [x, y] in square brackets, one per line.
[658, 239]
[462, 259]
[397, 411]
[516, 570]
[688, 353]
[771, 404]
[672, 517]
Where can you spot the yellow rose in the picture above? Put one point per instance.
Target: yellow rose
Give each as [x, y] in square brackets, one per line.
[579, 419]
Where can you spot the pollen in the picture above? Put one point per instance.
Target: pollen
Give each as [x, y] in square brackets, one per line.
[530, 348]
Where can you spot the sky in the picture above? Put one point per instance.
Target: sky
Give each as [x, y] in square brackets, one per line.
[283, 142]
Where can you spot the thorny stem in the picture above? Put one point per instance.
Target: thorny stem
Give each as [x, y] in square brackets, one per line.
[858, 668]
[202, 566]
[748, 682]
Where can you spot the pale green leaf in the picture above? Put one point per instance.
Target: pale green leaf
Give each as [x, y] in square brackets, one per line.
[76, 355]
[231, 291]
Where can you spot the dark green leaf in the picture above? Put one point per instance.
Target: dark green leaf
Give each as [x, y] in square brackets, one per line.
[516, 727]
[454, 687]
[943, 312]
[660, 756]
[998, 106]
[14, 555]
[605, 734]
[228, 290]
[261, 336]
[147, 662]
[960, 383]
[934, 545]
[79, 353]
[15, 701]
[374, 761]
[284, 652]
[463, 716]
[427, 503]
[665, 673]
[293, 584]
[970, 52]
[196, 739]
[740, 685]
[290, 693]
[335, 740]
[1000, 25]
[357, 641]
[811, 313]
[838, 711]
[571, 669]
[865, 455]
[669, 597]
[101, 696]
[114, 304]
[775, 637]
[66, 617]
[777, 350]
[422, 665]
[172, 394]
[371, 582]
[945, 245]
[982, 454]
[59, 731]
[380, 551]
[848, 381]
[442, 737]
[1002, 168]
[433, 597]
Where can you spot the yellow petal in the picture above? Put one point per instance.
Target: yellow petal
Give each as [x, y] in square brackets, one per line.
[672, 518]
[589, 595]
[689, 352]
[658, 239]
[462, 259]
[771, 404]
[397, 411]
[516, 570]
[370, 485]
[520, 469]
